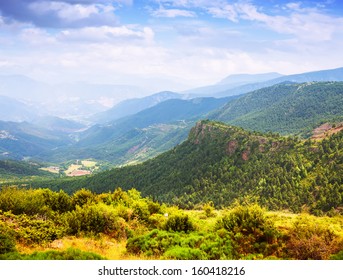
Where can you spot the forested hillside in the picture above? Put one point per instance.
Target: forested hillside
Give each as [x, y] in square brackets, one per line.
[222, 164]
[15, 169]
[286, 108]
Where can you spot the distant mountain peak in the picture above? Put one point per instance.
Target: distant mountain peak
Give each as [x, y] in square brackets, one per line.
[250, 78]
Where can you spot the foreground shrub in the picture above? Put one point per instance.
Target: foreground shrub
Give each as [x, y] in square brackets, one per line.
[30, 230]
[69, 254]
[338, 256]
[94, 219]
[184, 253]
[179, 223]
[181, 246]
[7, 241]
[310, 240]
[251, 231]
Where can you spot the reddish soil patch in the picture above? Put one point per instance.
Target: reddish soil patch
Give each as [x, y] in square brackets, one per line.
[79, 173]
[326, 130]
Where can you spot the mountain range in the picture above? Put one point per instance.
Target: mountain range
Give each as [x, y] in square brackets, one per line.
[137, 129]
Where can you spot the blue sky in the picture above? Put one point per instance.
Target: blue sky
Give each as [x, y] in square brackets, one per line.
[189, 42]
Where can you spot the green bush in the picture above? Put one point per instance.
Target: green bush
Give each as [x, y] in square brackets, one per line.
[217, 246]
[184, 253]
[179, 223]
[69, 254]
[251, 231]
[82, 197]
[179, 245]
[338, 256]
[22, 201]
[7, 241]
[33, 230]
[95, 219]
[154, 243]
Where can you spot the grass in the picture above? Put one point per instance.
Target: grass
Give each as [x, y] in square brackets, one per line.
[88, 163]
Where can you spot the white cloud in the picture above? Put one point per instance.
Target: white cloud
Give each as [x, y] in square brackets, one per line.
[228, 11]
[108, 34]
[172, 13]
[64, 11]
[37, 36]
[304, 23]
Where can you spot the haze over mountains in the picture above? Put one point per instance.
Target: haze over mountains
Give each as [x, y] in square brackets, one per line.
[134, 130]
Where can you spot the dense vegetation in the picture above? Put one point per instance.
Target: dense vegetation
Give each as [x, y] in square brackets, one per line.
[286, 108]
[32, 222]
[221, 163]
[17, 169]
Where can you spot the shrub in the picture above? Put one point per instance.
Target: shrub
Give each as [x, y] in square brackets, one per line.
[33, 230]
[338, 256]
[250, 230]
[217, 246]
[179, 222]
[154, 243]
[82, 197]
[181, 246]
[21, 201]
[184, 253]
[309, 239]
[95, 219]
[69, 254]
[208, 208]
[7, 241]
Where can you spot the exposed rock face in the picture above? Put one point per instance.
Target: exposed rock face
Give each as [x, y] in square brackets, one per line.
[231, 147]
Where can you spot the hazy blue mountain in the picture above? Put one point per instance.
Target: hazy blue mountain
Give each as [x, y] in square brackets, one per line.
[287, 108]
[230, 82]
[318, 76]
[165, 112]
[20, 140]
[249, 78]
[22, 88]
[14, 110]
[133, 106]
[58, 124]
[79, 99]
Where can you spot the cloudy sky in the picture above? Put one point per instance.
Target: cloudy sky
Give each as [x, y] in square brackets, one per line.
[194, 42]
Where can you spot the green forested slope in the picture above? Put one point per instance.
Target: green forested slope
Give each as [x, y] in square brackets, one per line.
[12, 168]
[223, 163]
[286, 108]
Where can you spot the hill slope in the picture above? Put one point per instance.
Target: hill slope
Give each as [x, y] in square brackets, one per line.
[20, 140]
[11, 168]
[133, 106]
[223, 163]
[286, 108]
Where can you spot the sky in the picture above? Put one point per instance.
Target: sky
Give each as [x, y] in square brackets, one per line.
[186, 42]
